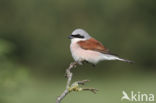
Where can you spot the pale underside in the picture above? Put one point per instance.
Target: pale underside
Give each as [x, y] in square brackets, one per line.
[79, 54]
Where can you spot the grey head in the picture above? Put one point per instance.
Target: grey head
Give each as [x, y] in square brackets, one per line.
[80, 34]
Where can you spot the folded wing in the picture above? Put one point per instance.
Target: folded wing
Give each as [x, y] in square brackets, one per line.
[93, 44]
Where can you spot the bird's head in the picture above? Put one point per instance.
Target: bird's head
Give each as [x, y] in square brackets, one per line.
[79, 35]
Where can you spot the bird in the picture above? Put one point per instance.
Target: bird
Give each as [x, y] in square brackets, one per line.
[85, 48]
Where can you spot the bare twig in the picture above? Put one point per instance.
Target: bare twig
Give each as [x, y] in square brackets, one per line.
[82, 82]
[69, 76]
[74, 86]
[90, 89]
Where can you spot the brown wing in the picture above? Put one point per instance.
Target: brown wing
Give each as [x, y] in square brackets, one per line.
[92, 44]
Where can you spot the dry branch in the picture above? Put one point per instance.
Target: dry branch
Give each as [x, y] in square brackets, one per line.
[74, 86]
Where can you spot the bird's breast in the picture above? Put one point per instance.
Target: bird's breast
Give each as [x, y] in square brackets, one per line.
[80, 54]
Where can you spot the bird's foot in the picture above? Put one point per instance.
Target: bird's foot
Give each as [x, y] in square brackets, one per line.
[84, 62]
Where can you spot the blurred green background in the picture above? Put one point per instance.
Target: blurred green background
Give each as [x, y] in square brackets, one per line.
[34, 49]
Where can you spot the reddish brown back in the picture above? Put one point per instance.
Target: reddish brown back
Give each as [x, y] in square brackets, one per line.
[93, 44]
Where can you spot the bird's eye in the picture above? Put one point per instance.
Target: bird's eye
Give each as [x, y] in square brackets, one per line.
[78, 36]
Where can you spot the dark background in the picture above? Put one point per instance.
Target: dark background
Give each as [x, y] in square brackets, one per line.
[34, 49]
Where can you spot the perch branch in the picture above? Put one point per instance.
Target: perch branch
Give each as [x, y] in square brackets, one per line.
[74, 86]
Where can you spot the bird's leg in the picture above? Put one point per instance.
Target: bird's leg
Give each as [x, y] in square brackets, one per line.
[84, 62]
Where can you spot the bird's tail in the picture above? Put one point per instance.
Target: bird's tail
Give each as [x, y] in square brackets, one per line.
[125, 60]
[113, 57]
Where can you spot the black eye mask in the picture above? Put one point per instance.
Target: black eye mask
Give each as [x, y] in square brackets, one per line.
[77, 36]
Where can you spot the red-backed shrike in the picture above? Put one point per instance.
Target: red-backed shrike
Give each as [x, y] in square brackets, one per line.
[85, 48]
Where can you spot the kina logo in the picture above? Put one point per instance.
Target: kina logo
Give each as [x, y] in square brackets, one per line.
[137, 96]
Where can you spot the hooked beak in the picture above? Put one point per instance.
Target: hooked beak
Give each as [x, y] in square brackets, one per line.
[70, 37]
